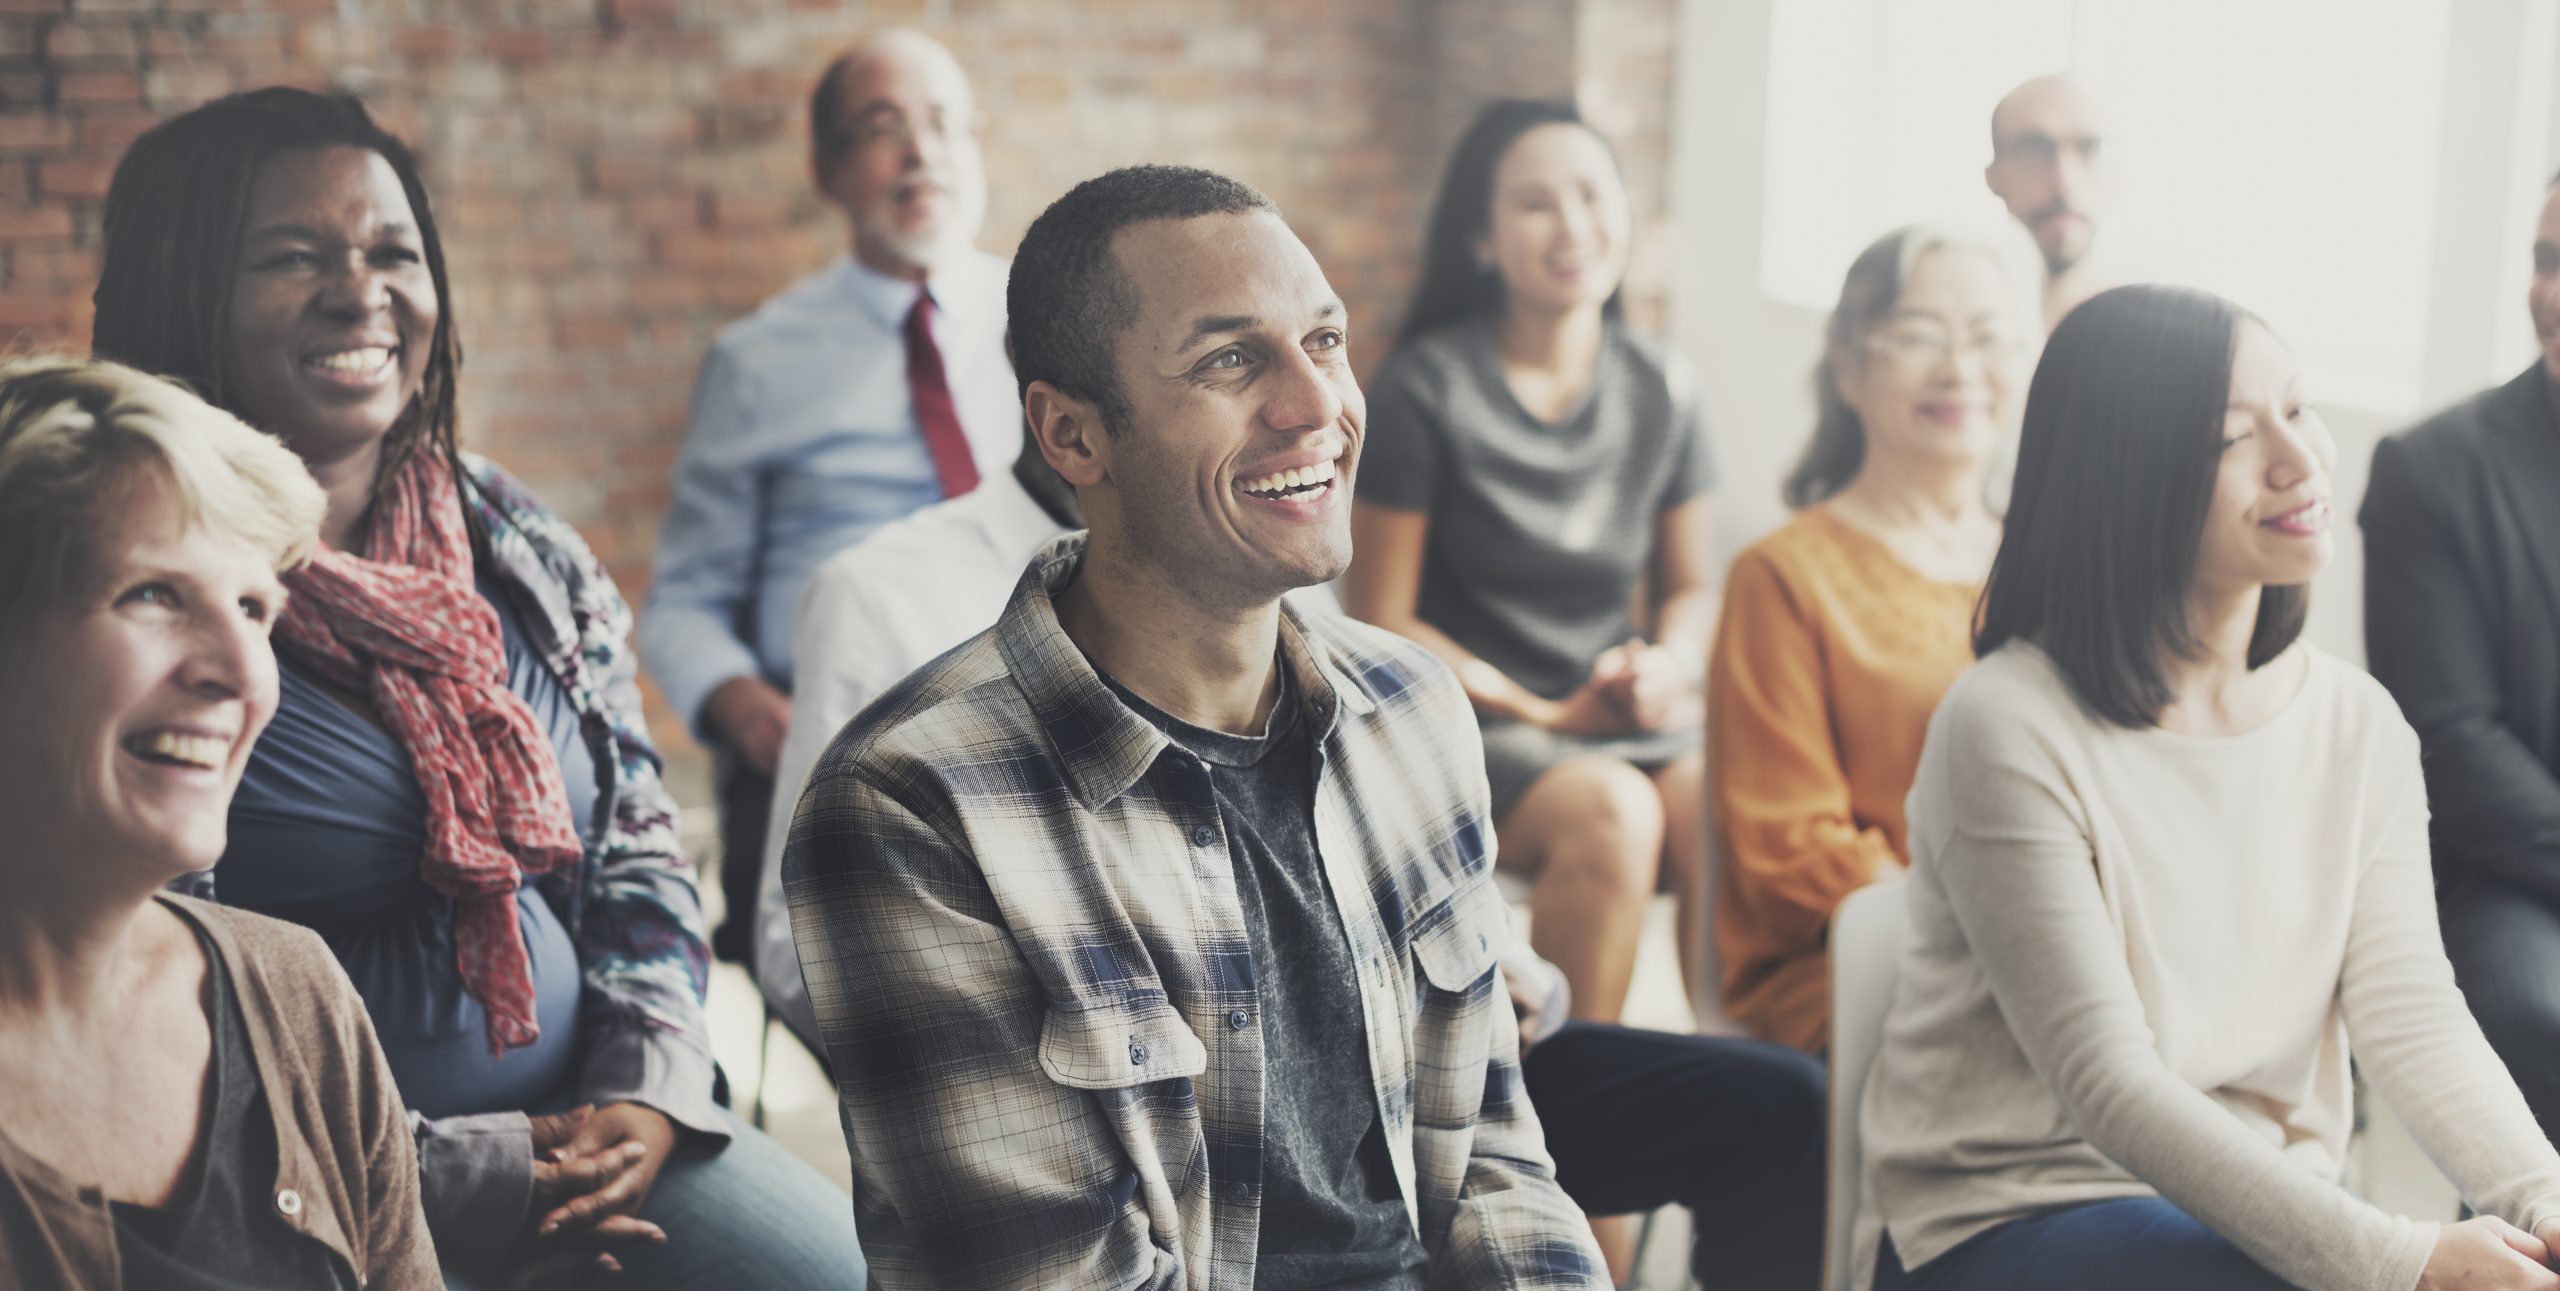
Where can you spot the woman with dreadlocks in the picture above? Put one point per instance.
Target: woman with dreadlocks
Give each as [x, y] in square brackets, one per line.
[457, 791]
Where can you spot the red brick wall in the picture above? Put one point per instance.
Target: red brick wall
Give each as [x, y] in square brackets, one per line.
[1623, 72]
[616, 179]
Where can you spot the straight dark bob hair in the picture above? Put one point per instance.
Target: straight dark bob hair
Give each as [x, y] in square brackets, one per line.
[2116, 463]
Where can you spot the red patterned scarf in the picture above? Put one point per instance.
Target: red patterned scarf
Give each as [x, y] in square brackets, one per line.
[405, 626]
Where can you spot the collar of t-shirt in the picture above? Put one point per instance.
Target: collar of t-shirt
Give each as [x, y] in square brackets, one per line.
[1219, 748]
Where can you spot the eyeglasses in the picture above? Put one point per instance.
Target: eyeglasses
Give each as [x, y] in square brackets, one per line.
[1915, 343]
[2043, 150]
[884, 131]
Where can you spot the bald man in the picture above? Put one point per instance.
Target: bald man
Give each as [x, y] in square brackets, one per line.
[869, 390]
[2048, 166]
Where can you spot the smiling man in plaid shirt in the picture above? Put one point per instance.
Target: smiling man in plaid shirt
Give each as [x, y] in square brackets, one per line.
[1151, 931]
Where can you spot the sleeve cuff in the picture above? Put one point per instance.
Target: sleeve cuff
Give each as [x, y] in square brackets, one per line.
[2415, 1250]
[475, 1176]
[2539, 1211]
[690, 658]
[658, 1069]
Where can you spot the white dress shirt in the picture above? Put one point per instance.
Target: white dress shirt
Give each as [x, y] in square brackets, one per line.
[874, 613]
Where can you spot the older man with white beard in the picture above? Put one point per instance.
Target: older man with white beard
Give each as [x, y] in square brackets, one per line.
[875, 387]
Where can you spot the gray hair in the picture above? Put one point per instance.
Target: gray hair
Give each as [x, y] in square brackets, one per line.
[1868, 296]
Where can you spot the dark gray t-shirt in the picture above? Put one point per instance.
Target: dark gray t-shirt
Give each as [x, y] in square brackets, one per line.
[1539, 531]
[1332, 1215]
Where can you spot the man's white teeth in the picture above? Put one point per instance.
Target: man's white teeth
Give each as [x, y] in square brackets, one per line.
[362, 362]
[1297, 478]
[194, 750]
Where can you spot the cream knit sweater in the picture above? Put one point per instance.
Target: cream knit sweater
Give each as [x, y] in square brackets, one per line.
[2138, 961]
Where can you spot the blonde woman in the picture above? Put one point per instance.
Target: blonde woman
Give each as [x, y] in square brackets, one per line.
[189, 1095]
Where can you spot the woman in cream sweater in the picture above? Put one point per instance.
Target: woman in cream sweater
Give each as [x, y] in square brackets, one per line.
[2169, 867]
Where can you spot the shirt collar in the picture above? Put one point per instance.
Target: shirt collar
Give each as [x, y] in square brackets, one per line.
[888, 299]
[1103, 747]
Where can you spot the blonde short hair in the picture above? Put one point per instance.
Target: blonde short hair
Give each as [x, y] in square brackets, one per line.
[77, 435]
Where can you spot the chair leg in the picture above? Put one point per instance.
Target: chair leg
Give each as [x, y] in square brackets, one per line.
[764, 1060]
[1644, 1248]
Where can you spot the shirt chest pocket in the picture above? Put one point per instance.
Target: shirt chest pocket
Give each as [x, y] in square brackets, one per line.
[1119, 1045]
[1453, 937]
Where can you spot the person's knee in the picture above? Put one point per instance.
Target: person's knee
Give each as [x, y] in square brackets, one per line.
[2524, 1030]
[1783, 1098]
[1608, 823]
[1683, 781]
[2504, 946]
[1792, 1089]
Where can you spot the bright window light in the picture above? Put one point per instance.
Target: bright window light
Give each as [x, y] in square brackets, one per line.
[2280, 152]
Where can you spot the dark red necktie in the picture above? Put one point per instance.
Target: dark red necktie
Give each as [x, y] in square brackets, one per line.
[935, 412]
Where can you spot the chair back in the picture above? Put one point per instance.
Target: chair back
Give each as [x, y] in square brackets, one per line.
[1867, 934]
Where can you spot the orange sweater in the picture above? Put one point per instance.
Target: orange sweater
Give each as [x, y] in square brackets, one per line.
[1828, 660]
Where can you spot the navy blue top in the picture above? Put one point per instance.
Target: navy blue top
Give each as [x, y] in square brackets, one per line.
[327, 831]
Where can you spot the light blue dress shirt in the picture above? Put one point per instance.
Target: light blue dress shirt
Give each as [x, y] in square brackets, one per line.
[804, 439]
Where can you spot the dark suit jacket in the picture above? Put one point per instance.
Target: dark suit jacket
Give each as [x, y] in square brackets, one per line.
[2462, 623]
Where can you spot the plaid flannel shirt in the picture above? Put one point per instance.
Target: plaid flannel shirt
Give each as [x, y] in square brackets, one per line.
[1020, 929]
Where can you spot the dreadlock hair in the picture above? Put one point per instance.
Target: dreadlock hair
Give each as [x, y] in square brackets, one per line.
[172, 249]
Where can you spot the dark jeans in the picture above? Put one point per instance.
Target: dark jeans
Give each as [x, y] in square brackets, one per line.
[1731, 1129]
[746, 797]
[2137, 1244]
[2504, 942]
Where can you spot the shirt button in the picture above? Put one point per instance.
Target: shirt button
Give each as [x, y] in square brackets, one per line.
[1239, 1190]
[290, 1202]
[1238, 1019]
[1137, 1054]
[1202, 835]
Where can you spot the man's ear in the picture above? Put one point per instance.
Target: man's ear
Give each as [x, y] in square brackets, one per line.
[822, 171]
[1069, 432]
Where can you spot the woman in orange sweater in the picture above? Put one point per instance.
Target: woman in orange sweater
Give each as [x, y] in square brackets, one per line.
[1841, 629]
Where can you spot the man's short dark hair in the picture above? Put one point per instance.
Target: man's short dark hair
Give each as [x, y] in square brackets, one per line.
[1068, 302]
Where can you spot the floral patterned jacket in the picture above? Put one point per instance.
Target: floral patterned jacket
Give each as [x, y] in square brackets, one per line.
[630, 905]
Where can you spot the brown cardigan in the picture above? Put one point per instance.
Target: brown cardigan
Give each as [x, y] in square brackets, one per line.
[347, 1169]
